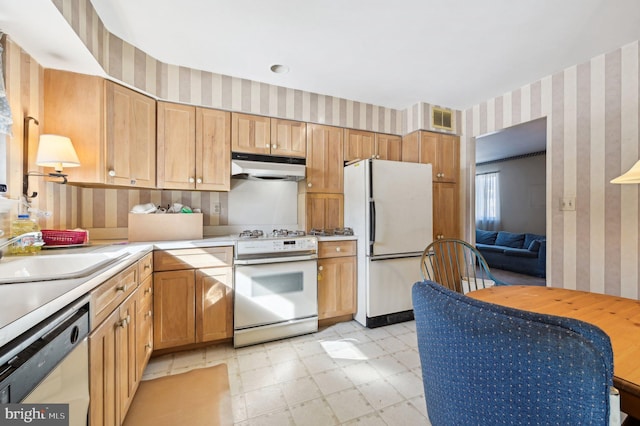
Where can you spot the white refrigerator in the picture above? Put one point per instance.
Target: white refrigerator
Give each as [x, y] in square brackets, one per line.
[389, 206]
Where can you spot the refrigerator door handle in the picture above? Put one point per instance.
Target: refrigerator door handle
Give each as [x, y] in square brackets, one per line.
[372, 226]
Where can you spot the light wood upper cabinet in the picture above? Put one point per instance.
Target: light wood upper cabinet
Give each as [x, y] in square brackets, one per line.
[250, 134]
[359, 145]
[176, 146]
[131, 137]
[441, 150]
[193, 148]
[325, 159]
[213, 150]
[388, 147]
[324, 211]
[288, 138]
[112, 128]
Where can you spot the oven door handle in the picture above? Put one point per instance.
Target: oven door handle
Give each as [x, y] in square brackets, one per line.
[276, 259]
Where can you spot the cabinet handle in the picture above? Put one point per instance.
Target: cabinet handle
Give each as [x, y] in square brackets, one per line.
[147, 346]
[274, 146]
[309, 185]
[112, 173]
[378, 156]
[320, 268]
[191, 180]
[125, 321]
[149, 314]
[268, 145]
[199, 180]
[338, 249]
[147, 291]
[122, 288]
[132, 181]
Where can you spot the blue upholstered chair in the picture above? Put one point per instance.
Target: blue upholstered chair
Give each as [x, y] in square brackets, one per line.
[457, 265]
[485, 364]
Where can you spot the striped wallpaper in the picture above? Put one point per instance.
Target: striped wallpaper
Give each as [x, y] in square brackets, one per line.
[593, 124]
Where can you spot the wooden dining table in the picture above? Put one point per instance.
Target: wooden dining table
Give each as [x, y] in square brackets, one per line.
[618, 317]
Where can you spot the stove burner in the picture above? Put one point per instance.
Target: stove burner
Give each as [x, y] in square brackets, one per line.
[287, 233]
[343, 231]
[251, 234]
[331, 232]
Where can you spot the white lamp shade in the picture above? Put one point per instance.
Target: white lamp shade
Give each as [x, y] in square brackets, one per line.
[632, 176]
[57, 152]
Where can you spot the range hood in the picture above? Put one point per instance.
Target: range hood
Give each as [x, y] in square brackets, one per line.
[267, 167]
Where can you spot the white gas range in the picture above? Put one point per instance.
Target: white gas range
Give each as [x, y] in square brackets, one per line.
[276, 287]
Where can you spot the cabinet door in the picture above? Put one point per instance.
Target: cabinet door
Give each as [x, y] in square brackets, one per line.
[288, 138]
[324, 211]
[336, 287]
[324, 159]
[388, 147]
[429, 152]
[359, 145]
[213, 150]
[449, 158]
[411, 148]
[142, 165]
[131, 135]
[144, 325]
[176, 146]
[74, 106]
[174, 308]
[214, 304]
[128, 379]
[446, 211]
[250, 133]
[103, 407]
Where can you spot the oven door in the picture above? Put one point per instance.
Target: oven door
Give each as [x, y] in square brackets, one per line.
[275, 292]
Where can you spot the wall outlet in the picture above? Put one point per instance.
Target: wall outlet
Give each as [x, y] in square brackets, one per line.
[568, 204]
[216, 208]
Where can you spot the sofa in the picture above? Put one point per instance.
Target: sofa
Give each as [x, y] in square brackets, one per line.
[522, 253]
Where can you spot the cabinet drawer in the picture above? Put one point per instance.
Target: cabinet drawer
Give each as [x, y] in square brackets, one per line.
[194, 258]
[336, 248]
[145, 295]
[145, 266]
[107, 297]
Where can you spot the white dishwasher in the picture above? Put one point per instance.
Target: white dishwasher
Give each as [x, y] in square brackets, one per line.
[49, 364]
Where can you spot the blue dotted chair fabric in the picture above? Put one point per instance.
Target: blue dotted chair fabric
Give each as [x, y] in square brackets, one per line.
[485, 364]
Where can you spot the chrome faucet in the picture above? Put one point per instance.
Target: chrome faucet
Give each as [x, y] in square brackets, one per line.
[26, 239]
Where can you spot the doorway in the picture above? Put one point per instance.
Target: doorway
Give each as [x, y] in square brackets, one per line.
[511, 179]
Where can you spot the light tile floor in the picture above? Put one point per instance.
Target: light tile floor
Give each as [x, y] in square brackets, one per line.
[345, 374]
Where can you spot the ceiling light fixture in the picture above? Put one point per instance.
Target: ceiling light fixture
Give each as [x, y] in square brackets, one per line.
[279, 69]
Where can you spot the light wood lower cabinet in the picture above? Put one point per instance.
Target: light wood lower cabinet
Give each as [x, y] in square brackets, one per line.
[193, 296]
[119, 343]
[336, 278]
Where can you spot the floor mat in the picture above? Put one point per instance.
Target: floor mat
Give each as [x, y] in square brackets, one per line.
[197, 397]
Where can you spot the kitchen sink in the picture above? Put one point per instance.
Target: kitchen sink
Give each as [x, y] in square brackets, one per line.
[20, 269]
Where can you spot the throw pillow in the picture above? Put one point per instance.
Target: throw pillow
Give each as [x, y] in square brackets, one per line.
[535, 245]
[485, 237]
[509, 239]
[530, 237]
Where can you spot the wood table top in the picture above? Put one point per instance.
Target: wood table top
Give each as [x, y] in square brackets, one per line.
[617, 316]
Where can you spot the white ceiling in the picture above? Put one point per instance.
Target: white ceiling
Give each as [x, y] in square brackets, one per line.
[453, 53]
[517, 140]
